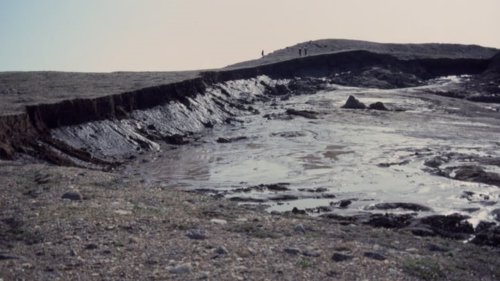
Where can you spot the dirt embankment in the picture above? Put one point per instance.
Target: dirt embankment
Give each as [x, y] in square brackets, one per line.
[28, 133]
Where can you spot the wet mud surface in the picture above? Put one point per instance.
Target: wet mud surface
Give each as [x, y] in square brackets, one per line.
[425, 155]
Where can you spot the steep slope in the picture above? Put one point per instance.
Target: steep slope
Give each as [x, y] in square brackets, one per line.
[401, 51]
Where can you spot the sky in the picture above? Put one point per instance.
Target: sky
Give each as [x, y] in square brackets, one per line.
[168, 35]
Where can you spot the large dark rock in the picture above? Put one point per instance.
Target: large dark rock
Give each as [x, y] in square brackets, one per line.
[475, 173]
[345, 203]
[281, 186]
[389, 220]
[399, 205]
[72, 195]
[451, 226]
[284, 197]
[378, 106]
[338, 257]
[230, 140]
[303, 113]
[374, 256]
[353, 103]
[489, 236]
[247, 199]
[175, 139]
[496, 214]
[434, 162]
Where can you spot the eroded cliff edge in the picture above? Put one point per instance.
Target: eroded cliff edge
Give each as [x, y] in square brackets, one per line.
[207, 99]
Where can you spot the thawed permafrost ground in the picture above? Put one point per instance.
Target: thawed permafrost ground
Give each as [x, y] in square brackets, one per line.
[408, 154]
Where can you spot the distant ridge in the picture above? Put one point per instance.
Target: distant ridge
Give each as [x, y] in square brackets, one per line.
[401, 51]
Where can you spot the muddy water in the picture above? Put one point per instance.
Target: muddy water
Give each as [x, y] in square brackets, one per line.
[365, 156]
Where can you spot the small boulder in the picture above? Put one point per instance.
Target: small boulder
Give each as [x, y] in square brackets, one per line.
[311, 253]
[91, 246]
[374, 256]
[299, 228]
[353, 103]
[292, 251]
[218, 221]
[181, 269]
[337, 257]
[377, 106]
[345, 203]
[297, 211]
[72, 195]
[303, 113]
[399, 205]
[175, 139]
[196, 234]
[221, 251]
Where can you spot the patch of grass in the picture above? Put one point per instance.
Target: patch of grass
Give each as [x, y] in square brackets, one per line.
[304, 263]
[13, 229]
[113, 183]
[425, 269]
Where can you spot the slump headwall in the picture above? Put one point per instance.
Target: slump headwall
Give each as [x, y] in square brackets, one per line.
[29, 132]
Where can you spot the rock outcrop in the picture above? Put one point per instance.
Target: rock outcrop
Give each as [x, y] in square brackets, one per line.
[353, 103]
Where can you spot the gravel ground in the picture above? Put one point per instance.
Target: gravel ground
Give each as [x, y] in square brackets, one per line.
[61, 223]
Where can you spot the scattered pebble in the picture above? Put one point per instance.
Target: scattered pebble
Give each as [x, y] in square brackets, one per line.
[27, 265]
[218, 221]
[91, 246]
[299, 228]
[133, 240]
[196, 234]
[181, 269]
[221, 251]
[123, 212]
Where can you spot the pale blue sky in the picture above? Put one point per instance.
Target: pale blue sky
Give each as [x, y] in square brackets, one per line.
[110, 35]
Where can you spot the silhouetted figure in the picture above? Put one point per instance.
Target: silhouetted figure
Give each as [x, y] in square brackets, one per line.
[305, 51]
[262, 53]
[300, 52]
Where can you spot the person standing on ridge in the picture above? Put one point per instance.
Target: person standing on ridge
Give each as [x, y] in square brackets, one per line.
[262, 53]
[305, 52]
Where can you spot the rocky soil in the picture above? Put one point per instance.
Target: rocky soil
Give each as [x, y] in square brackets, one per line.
[60, 223]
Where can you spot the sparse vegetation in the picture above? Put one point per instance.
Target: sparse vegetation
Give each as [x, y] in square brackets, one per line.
[425, 269]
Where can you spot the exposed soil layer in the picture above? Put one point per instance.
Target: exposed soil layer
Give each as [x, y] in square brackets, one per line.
[39, 117]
